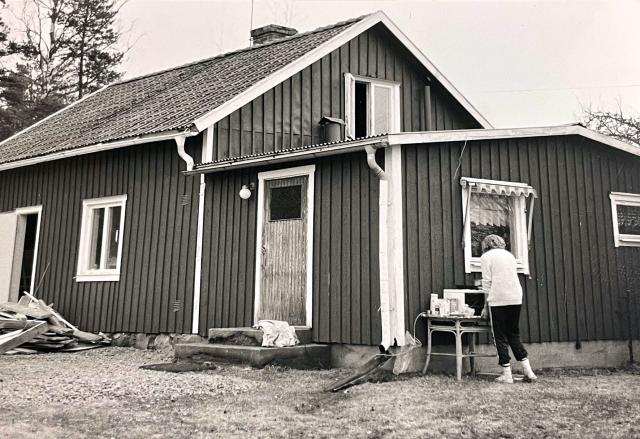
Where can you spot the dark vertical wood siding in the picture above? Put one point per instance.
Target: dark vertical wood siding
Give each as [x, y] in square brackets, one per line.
[287, 116]
[158, 253]
[346, 280]
[578, 278]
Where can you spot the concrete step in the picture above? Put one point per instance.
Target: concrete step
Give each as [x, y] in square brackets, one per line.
[302, 356]
[249, 336]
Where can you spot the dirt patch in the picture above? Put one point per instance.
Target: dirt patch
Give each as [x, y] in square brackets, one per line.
[180, 367]
[104, 393]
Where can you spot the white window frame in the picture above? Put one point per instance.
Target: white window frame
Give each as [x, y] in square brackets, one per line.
[263, 177]
[625, 199]
[350, 103]
[85, 274]
[472, 263]
[33, 210]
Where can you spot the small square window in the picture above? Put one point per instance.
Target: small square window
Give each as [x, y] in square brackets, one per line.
[495, 208]
[625, 210]
[285, 203]
[101, 239]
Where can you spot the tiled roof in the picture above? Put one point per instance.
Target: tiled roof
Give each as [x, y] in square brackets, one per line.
[164, 101]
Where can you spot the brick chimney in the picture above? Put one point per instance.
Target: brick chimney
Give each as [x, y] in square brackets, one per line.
[270, 32]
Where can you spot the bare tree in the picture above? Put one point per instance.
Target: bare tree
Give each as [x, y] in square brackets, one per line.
[38, 47]
[68, 47]
[57, 51]
[614, 124]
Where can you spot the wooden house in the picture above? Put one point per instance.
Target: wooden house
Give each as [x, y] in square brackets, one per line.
[210, 195]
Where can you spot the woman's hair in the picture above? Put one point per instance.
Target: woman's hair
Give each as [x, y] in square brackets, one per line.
[492, 241]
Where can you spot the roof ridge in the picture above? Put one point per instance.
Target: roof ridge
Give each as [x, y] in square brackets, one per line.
[244, 49]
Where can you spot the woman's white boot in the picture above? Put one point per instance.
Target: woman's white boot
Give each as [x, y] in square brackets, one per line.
[528, 372]
[506, 377]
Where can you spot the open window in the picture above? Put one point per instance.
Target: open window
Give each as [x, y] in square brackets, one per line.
[496, 208]
[625, 212]
[101, 239]
[372, 106]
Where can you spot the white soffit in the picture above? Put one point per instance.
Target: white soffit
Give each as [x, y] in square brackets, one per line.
[507, 133]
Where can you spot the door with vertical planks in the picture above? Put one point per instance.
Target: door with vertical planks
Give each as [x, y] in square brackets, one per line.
[8, 229]
[283, 259]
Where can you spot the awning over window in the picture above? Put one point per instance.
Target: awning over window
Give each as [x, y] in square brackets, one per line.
[498, 187]
[494, 211]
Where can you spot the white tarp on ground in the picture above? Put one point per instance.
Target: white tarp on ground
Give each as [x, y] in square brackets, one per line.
[277, 333]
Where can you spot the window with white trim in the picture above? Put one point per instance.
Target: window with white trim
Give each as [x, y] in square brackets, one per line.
[372, 106]
[493, 207]
[100, 251]
[625, 212]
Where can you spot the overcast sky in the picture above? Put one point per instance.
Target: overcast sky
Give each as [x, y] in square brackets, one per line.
[519, 63]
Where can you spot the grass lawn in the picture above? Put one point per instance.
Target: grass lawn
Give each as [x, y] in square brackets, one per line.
[103, 393]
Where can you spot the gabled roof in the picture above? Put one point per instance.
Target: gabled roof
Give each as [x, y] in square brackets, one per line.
[187, 99]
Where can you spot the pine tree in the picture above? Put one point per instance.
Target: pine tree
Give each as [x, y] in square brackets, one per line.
[93, 44]
[66, 49]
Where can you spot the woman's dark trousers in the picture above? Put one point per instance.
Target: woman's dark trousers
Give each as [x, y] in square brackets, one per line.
[506, 329]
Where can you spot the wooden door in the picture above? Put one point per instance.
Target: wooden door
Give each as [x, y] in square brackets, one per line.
[8, 227]
[283, 264]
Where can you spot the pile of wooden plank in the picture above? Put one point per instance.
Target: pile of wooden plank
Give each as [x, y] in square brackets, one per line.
[31, 326]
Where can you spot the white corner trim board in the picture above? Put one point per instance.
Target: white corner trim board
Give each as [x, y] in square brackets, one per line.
[298, 171]
[391, 253]
[207, 155]
[332, 44]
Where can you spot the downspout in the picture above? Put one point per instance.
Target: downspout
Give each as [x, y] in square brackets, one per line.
[391, 245]
[180, 141]
[371, 161]
[385, 310]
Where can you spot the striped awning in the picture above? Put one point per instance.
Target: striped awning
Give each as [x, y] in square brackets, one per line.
[493, 187]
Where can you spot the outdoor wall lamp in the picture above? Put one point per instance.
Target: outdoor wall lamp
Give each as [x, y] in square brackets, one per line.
[245, 192]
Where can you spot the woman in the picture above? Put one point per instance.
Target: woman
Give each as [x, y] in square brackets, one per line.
[500, 280]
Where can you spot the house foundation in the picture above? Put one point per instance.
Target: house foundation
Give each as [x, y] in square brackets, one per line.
[152, 341]
[542, 356]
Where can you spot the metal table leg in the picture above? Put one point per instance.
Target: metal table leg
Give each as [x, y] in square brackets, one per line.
[472, 350]
[426, 364]
[458, 352]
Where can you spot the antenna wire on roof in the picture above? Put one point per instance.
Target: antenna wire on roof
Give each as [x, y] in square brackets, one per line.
[251, 25]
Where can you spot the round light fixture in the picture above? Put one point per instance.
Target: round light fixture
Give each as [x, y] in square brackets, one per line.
[245, 192]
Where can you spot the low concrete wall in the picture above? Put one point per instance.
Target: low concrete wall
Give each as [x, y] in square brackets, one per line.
[153, 341]
[541, 355]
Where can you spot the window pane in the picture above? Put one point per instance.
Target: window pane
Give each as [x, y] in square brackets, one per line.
[628, 219]
[489, 215]
[97, 223]
[114, 237]
[285, 203]
[382, 110]
[361, 109]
